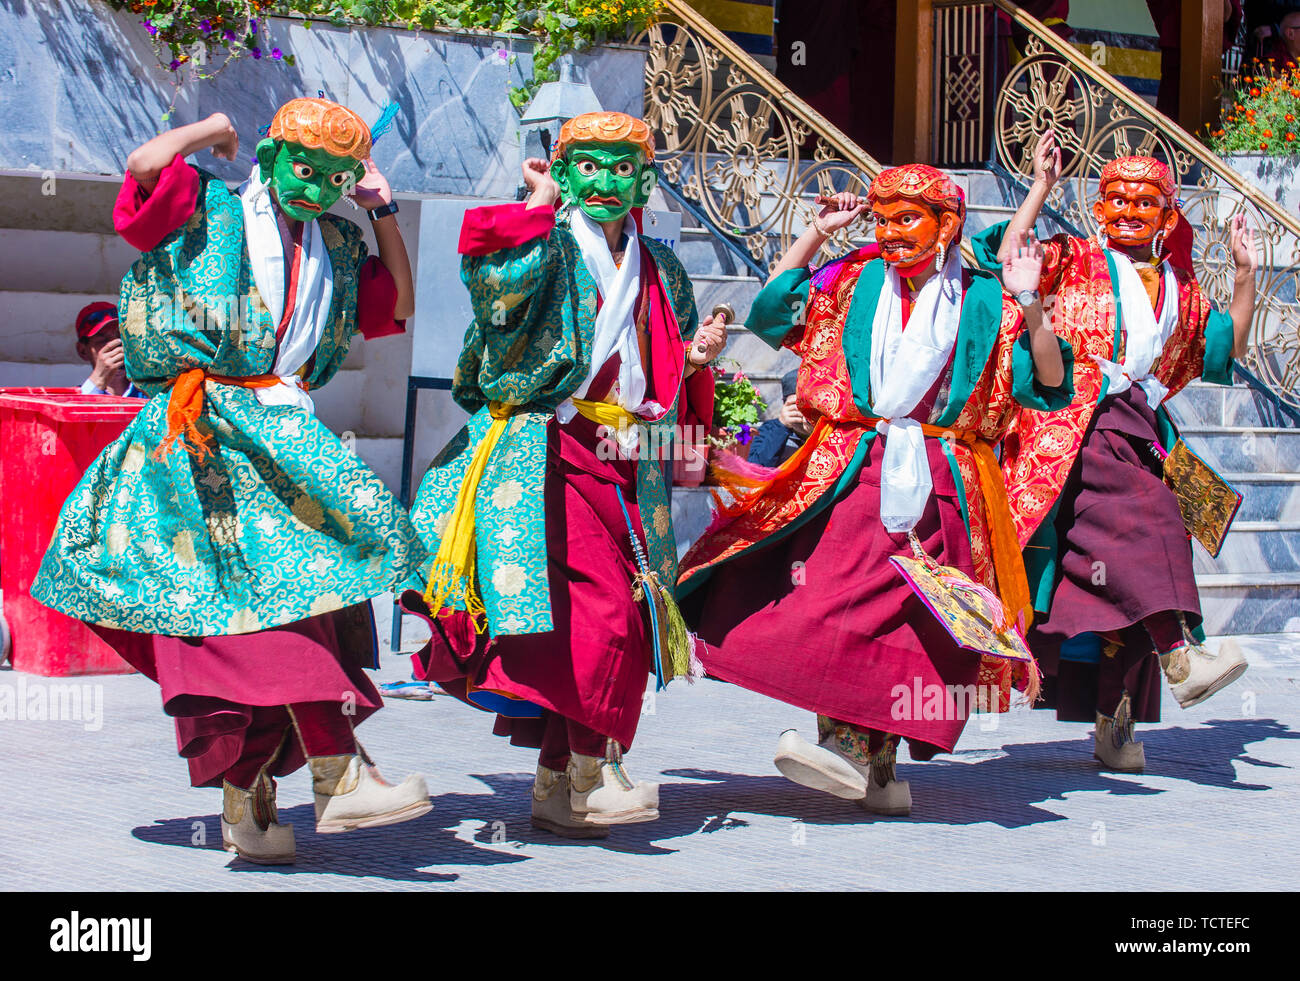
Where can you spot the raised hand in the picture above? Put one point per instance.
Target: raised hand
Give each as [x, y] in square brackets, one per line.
[1022, 268]
[1243, 247]
[372, 191]
[710, 339]
[538, 179]
[226, 144]
[838, 211]
[1047, 160]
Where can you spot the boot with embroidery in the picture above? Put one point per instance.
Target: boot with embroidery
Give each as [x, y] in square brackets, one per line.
[250, 825]
[1113, 742]
[601, 792]
[886, 794]
[1194, 674]
[351, 794]
[553, 811]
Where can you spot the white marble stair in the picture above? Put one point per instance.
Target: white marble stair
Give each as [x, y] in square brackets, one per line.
[1253, 585]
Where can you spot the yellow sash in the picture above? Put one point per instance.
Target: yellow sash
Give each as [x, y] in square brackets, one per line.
[452, 576]
[454, 563]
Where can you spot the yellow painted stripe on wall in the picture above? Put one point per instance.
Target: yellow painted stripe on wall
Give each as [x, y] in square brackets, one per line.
[729, 15]
[1129, 62]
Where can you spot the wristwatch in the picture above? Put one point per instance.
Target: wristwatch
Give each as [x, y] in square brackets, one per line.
[383, 211]
[1027, 298]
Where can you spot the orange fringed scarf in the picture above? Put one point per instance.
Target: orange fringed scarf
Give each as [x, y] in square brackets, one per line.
[185, 405]
[1008, 562]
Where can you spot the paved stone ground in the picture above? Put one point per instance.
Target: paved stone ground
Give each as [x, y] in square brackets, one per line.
[1020, 805]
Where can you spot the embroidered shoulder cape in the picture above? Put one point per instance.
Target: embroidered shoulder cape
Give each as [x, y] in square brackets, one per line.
[529, 345]
[282, 521]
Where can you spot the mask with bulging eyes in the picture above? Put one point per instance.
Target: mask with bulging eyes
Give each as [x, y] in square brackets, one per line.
[306, 182]
[605, 180]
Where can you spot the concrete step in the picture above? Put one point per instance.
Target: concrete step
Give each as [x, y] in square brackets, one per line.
[52, 261]
[1254, 547]
[1248, 449]
[1203, 404]
[1266, 496]
[1250, 604]
[703, 254]
[18, 374]
[712, 289]
[39, 327]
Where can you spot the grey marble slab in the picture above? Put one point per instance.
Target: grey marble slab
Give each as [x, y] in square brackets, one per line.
[82, 87]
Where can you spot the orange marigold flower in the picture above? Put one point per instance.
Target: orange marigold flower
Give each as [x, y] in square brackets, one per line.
[1268, 134]
[1290, 137]
[1263, 146]
[1290, 117]
[1254, 91]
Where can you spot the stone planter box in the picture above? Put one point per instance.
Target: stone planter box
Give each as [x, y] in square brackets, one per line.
[1277, 177]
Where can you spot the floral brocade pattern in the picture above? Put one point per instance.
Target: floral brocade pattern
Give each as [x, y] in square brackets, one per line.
[825, 387]
[1040, 451]
[282, 521]
[529, 346]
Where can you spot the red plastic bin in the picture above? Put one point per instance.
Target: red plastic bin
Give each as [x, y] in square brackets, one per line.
[48, 438]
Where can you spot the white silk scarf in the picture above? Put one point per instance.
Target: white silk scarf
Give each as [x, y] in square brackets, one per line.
[905, 364]
[315, 292]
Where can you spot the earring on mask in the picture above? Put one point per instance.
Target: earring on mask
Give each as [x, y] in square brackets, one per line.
[1158, 245]
[938, 257]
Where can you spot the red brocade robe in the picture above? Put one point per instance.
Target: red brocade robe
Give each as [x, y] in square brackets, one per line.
[1040, 451]
[894, 639]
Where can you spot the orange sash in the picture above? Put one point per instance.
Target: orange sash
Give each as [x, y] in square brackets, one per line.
[1008, 562]
[185, 405]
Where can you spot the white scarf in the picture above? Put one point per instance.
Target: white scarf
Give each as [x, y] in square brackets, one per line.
[315, 289]
[615, 322]
[1145, 336]
[904, 366]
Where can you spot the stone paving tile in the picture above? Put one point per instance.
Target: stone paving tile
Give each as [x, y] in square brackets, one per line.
[1020, 805]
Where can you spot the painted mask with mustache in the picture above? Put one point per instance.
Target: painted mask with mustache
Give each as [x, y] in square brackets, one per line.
[306, 182]
[605, 180]
[1132, 212]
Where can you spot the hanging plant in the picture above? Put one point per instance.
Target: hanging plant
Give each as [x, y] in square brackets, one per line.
[201, 37]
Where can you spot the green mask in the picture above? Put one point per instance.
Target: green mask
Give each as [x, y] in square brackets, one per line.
[615, 174]
[301, 177]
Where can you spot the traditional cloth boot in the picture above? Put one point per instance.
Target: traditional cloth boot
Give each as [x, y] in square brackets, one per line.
[1113, 742]
[886, 794]
[250, 826]
[1195, 674]
[600, 791]
[552, 810]
[822, 767]
[351, 794]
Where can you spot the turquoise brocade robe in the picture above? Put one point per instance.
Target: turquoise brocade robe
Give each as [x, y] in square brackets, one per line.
[282, 521]
[530, 346]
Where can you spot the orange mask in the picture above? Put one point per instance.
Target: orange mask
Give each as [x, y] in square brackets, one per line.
[1132, 212]
[917, 208]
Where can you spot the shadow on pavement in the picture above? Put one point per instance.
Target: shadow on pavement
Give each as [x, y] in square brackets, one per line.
[1008, 789]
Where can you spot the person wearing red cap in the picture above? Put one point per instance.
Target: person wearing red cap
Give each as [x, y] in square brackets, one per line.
[1104, 537]
[99, 343]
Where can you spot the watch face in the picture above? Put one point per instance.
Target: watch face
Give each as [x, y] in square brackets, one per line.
[1026, 298]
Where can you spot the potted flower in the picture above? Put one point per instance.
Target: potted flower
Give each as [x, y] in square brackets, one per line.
[1260, 136]
[737, 409]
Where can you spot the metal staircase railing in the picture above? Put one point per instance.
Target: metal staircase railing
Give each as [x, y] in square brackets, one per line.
[740, 146]
[1097, 119]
